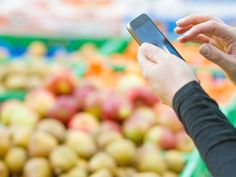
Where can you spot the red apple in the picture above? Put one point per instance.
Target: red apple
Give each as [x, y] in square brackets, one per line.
[168, 118]
[40, 100]
[63, 109]
[136, 129]
[116, 108]
[61, 81]
[145, 113]
[82, 143]
[110, 126]
[139, 123]
[93, 103]
[82, 93]
[83, 121]
[142, 96]
[161, 136]
[184, 142]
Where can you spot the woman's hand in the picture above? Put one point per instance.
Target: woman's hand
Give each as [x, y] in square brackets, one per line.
[165, 72]
[218, 40]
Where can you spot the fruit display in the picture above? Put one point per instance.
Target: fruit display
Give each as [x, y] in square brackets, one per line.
[121, 70]
[73, 99]
[107, 123]
[80, 127]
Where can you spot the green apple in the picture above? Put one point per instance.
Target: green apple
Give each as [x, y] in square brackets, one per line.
[175, 161]
[62, 159]
[37, 167]
[24, 116]
[41, 144]
[16, 159]
[81, 143]
[7, 109]
[102, 173]
[102, 160]
[4, 169]
[123, 151]
[149, 159]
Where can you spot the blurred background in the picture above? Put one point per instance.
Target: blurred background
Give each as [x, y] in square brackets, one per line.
[76, 18]
[71, 89]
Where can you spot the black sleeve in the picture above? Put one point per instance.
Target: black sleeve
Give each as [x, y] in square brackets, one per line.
[212, 133]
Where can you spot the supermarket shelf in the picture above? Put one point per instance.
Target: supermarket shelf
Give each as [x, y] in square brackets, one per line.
[17, 44]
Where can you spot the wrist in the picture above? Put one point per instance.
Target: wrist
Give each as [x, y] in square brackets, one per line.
[179, 89]
[182, 93]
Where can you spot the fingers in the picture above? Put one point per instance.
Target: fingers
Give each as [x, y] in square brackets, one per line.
[201, 39]
[195, 19]
[152, 52]
[208, 28]
[181, 30]
[218, 57]
[143, 61]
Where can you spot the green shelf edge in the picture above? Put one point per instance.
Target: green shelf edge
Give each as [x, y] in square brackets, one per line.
[19, 95]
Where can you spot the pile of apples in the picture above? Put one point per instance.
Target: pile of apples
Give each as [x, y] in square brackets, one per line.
[71, 129]
[23, 75]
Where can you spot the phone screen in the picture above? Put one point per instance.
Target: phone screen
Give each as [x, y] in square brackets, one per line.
[149, 33]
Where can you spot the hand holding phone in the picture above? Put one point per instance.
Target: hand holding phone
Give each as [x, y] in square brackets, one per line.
[144, 30]
[165, 73]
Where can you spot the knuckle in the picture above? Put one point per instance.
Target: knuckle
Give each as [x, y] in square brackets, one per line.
[217, 57]
[232, 63]
[151, 55]
[212, 18]
[213, 23]
[209, 55]
[151, 52]
[148, 49]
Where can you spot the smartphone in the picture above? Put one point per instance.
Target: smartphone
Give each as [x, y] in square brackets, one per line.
[143, 29]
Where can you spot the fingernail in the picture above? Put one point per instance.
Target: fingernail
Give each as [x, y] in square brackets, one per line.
[145, 45]
[179, 21]
[205, 49]
[179, 39]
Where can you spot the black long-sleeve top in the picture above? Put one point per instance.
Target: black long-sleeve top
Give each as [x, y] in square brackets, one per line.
[212, 133]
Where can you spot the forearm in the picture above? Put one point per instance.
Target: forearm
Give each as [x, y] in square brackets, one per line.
[212, 133]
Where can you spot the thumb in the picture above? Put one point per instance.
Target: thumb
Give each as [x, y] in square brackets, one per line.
[152, 52]
[217, 56]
